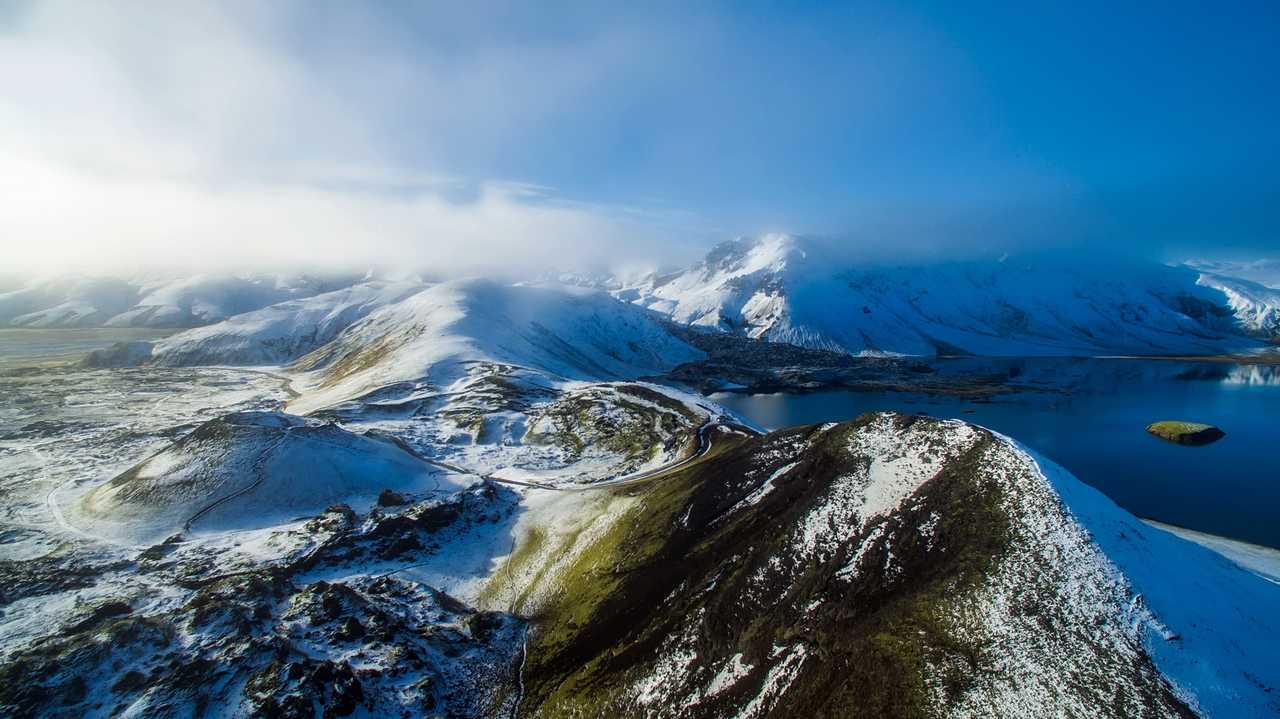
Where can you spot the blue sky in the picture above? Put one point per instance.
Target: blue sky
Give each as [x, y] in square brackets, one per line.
[257, 132]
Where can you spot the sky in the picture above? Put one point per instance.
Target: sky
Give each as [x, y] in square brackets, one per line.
[465, 137]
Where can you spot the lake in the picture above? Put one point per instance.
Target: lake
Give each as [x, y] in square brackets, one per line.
[1089, 415]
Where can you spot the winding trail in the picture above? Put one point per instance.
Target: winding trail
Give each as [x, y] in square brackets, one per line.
[286, 382]
[258, 463]
[704, 434]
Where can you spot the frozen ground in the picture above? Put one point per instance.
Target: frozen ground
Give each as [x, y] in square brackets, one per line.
[1260, 560]
[342, 593]
[145, 494]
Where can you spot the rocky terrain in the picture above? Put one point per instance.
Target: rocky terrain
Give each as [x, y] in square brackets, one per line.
[476, 501]
[891, 566]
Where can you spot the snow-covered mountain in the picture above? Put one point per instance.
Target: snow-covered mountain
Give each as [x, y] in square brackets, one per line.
[568, 333]
[1255, 305]
[890, 566]
[787, 289]
[281, 332]
[159, 303]
[1265, 272]
[67, 302]
[551, 546]
[250, 470]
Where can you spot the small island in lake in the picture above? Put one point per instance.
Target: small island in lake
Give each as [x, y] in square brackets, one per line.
[1190, 433]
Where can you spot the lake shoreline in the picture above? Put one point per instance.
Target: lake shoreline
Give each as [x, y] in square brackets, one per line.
[1090, 416]
[1259, 559]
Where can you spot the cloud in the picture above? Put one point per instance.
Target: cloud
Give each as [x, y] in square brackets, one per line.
[177, 135]
[121, 224]
[507, 135]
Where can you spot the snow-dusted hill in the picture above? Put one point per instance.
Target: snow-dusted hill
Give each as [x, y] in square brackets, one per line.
[787, 289]
[66, 302]
[250, 470]
[161, 303]
[282, 332]
[568, 333]
[889, 566]
[1265, 272]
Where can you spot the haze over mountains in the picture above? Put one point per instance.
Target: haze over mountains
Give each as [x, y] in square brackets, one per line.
[435, 392]
[775, 287]
[788, 289]
[190, 301]
[479, 498]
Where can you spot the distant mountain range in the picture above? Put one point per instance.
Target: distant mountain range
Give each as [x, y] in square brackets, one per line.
[775, 287]
[788, 289]
[64, 302]
[472, 505]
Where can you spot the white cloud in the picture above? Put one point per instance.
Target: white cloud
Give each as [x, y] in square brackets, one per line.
[155, 135]
[55, 218]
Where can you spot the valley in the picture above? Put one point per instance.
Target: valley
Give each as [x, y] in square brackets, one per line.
[476, 499]
[607, 360]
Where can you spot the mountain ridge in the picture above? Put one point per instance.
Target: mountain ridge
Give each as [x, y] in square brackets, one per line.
[887, 566]
[787, 289]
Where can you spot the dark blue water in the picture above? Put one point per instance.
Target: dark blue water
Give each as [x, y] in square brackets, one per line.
[1090, 418]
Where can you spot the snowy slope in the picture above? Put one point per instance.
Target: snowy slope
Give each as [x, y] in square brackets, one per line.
[1265, 272]
[162, 303]
[786, 289]
[203, 299]
[569, 333]
[1215, 634]
[1256, 305]
[66, 302]
[282, 332]
[891, 566]
[249, 470]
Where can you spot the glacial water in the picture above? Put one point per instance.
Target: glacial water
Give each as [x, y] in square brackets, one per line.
[1089, 415]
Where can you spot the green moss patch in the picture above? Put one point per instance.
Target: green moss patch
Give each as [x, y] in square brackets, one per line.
[1189, 433]
[870, 642]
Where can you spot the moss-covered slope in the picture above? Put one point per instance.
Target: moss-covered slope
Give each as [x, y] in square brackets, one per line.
[891, 566]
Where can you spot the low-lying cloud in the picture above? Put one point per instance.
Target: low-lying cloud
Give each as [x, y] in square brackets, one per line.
[56, 219]
[157, 136]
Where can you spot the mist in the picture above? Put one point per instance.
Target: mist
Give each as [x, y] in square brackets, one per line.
[172, 137]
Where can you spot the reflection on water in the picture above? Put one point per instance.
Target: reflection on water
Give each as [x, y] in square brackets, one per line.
[1090, 416]
[1254, 374]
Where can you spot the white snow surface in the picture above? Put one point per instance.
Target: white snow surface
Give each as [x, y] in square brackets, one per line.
[787, 289]
[72, 301]
[282, 332]
[1254, 304]
[1263, 561]
[1216, 638]
[1265, 271]
[255, 469]
[568, 333]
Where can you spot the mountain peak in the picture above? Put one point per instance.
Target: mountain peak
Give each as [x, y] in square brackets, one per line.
[786, 288]
[774, 252]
